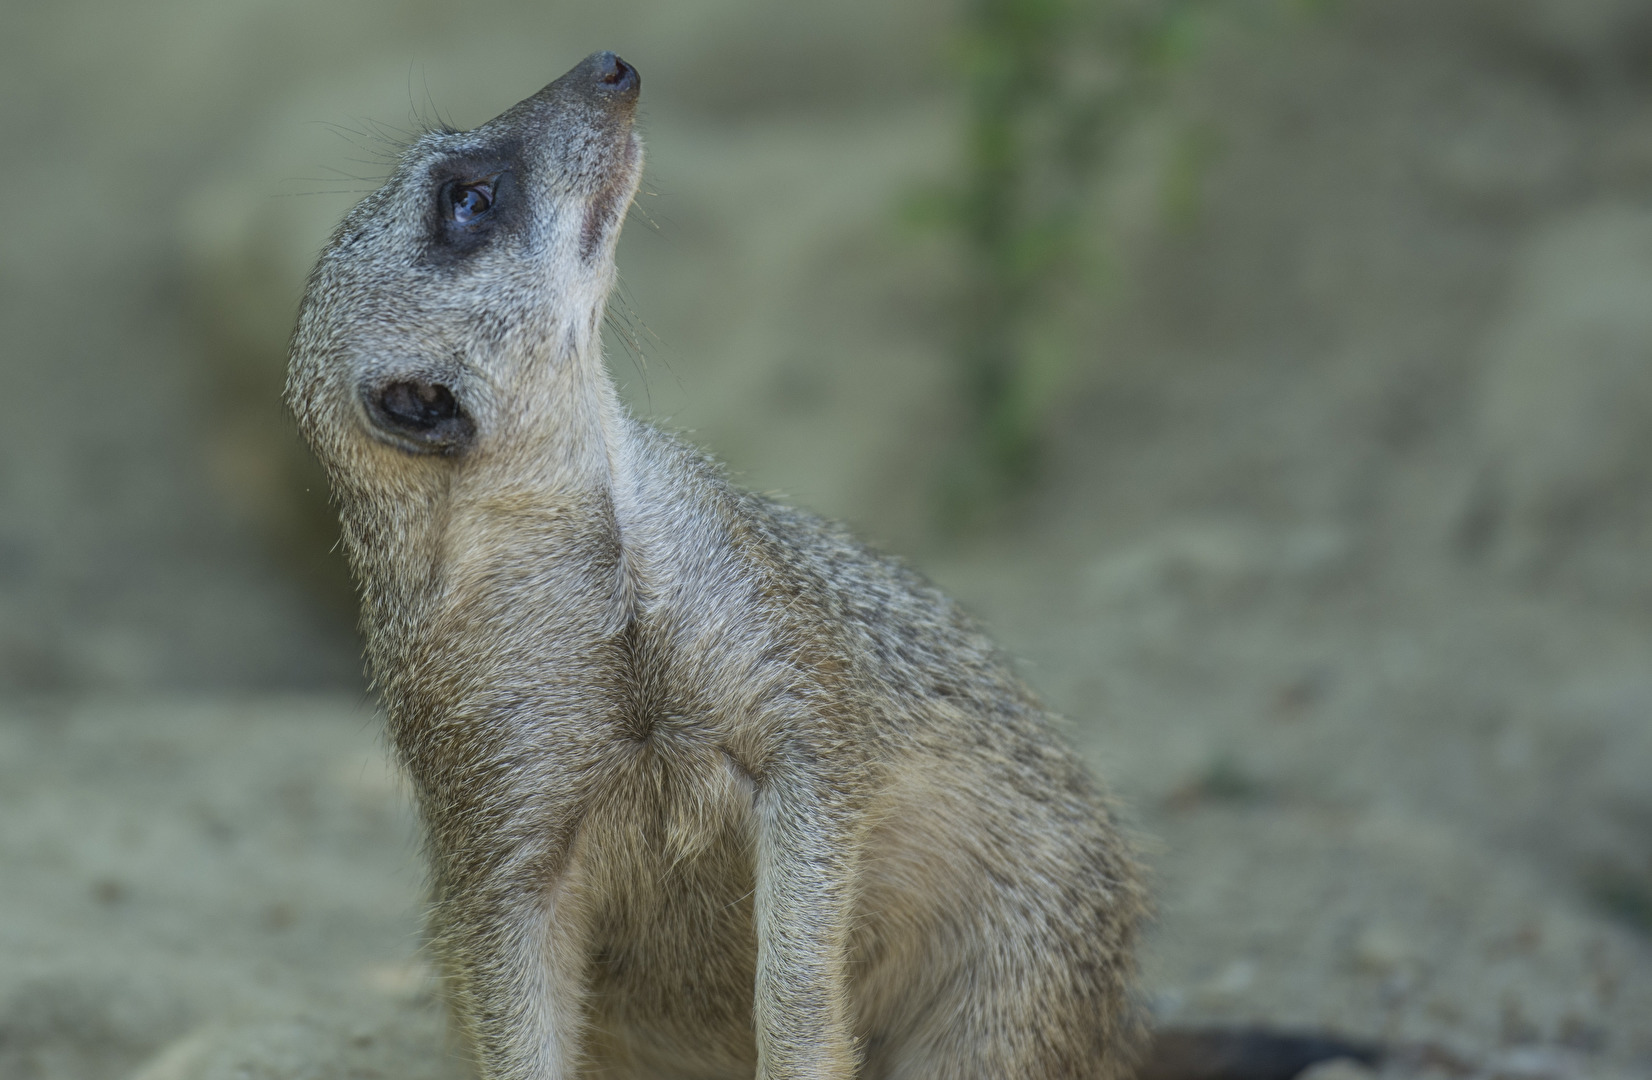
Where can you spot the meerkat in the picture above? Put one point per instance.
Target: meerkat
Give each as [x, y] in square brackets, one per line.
[709, 788]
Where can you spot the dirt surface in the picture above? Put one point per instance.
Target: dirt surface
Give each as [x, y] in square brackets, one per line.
[1340, 568]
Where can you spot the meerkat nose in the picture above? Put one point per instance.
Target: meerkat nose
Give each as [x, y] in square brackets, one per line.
[602, 80]
[614, 76]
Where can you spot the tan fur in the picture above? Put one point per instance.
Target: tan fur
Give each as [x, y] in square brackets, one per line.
[710, 789]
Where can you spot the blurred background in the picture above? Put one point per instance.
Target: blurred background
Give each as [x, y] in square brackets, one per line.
[1274, 377]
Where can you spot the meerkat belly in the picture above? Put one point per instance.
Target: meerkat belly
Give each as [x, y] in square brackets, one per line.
[666, 866]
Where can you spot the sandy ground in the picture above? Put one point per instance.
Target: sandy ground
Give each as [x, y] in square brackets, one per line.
[1340, 571]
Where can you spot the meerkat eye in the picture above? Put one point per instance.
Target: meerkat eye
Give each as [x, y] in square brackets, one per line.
[468, 202]
[471, 200]
[420, 415]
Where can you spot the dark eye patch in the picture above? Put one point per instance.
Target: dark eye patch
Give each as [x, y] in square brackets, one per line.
[420, 415]
[473, 198]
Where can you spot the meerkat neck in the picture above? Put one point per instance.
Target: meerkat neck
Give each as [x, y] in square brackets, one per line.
[544, 502]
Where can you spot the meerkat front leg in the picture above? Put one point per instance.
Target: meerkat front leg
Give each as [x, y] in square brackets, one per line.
[807, 853]
[513, 951]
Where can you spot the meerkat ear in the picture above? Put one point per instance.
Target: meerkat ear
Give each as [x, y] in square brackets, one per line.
[419, 415]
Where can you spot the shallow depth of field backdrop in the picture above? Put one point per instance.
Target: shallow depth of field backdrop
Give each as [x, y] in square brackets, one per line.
[1338, 551]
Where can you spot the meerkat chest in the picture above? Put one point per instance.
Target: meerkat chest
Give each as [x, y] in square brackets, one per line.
[665, 799]
[665, 861]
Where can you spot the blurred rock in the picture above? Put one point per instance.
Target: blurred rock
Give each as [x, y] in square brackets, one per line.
[1500, 147]
[1564, 413]
[1579, 40]
[1535, 1063]
[1217, 563]
[353, 1044]
[91, 1025]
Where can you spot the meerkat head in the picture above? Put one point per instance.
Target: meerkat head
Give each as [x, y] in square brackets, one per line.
[453, 320]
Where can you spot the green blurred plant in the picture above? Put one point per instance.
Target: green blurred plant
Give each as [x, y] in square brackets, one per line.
[1052, 86]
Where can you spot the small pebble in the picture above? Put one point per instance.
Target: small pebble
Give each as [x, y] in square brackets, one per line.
[1382, 950]
[1337, 1069]
[1231, 981]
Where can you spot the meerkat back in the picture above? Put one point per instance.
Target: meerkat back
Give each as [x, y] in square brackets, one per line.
[710, 789]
